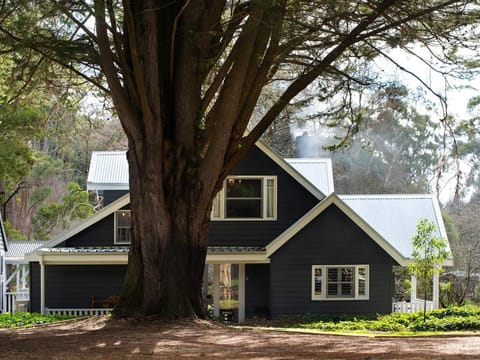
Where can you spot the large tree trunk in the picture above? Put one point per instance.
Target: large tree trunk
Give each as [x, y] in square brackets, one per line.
[169, 242]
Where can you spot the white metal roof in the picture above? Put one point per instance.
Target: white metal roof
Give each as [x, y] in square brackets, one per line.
[316, 170]
[395, 217]
[108, 171]
[18, 248]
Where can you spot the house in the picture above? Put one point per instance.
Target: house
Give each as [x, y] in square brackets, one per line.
[288, 245]
[3, 250]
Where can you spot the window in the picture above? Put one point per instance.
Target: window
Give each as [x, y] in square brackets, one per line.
[123, 220]
[340, 282]
[246, 198]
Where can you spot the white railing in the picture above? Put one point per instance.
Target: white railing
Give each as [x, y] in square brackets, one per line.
[78, 312]
[411, 306]
[17, 301]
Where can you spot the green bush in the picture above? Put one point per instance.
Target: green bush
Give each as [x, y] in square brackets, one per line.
[24, 319]
[448, 319]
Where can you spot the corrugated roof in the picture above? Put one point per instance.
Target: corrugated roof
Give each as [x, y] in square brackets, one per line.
[18, 248]
[86, 250]
[316, 170]
[125, 249]
[108, 171]
[395, 217]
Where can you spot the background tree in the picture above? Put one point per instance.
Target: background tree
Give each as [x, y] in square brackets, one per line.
[185, 77]
[429, 252]
[466, 250]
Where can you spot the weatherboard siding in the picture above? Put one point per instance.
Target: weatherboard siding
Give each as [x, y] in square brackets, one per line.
[72, 286]
[257, 290]
[330, 239]
[293, 201]
[35, 287]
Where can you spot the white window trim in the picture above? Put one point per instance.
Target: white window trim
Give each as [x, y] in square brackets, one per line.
[220, 200]
[324, 297]
[115, 241]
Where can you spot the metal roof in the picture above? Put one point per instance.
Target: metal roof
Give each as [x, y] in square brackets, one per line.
[316, 170]
[108, 171]
[86, 249]
[395, 217]
[18, 248]
[125, 249]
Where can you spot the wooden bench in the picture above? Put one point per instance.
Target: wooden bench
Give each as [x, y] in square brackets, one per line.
[109, 302]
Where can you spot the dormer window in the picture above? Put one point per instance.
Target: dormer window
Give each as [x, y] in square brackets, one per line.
[246, 198]
[123, 220]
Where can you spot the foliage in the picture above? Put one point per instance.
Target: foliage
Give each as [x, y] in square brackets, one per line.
[74, 205]
[429, 252]
[448, 319]
[12, 233]
[26, 319]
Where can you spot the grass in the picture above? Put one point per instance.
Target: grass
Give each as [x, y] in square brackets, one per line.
[452, 320]
[26, 319]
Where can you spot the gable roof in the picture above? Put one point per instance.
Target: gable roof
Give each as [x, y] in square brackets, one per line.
[107, 210]
[392, 235]
[108, 171]
[316, 170]
[395, 217]
[3, 236]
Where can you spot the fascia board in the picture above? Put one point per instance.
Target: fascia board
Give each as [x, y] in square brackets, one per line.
[249, 258]
[317, 210]
[107, 186]
[109, 209]
[84, 259]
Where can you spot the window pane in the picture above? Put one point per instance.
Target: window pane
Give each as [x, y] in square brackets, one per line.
[318, 282]
[270, 198]
[216, 206]
[340, 282]
[123, 223]
[362, 281]
[239, 208]
[246, 188]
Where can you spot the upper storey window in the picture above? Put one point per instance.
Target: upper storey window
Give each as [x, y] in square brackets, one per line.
[123, 220]
[246, 198]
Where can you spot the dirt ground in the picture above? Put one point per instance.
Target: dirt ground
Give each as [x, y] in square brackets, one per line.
[103, 338]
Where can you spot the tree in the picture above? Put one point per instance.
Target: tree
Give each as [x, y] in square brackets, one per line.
[185, 77]
[429, 252]
[465, 248]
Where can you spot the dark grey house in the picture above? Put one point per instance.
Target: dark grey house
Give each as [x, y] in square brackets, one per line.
[281, 242]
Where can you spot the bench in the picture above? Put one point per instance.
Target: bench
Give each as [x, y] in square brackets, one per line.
[109, 302]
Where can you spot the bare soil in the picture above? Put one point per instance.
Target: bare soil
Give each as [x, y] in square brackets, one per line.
[104, 338]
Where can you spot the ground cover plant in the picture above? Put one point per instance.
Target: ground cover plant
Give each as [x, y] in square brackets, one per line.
[26, 319]
[448, 319]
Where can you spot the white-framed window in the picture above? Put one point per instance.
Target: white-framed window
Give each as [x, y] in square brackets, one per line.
[340, 282]
[123, 220]
[246, 198]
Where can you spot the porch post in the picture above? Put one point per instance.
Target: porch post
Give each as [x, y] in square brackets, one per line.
[216, 290]
[42, 286]
[436, 290]
[241, 292]
[413, 290]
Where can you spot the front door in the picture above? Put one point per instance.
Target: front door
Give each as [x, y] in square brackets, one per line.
[226, 284]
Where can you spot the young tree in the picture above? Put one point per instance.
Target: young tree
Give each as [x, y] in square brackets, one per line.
[429, 252]
[185, 77]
